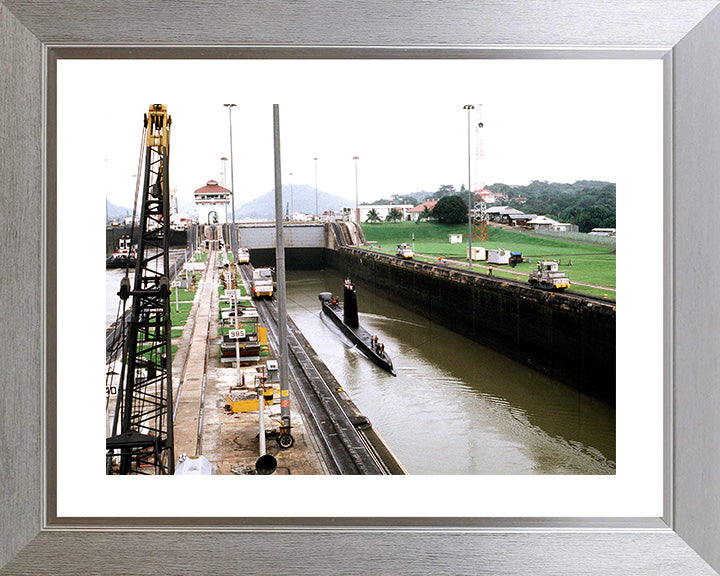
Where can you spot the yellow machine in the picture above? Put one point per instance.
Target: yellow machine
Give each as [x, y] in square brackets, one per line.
[245, 399]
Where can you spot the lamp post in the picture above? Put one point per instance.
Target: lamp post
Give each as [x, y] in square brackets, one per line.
[357, 205]
[292, 205]
[232, 185]
[469, 107]
[317, 213]
[224, 170]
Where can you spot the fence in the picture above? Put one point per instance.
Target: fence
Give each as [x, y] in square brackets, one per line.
[589, 238]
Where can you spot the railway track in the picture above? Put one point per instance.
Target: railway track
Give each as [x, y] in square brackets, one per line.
[342, 434]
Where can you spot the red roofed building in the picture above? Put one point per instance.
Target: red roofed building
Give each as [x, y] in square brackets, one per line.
[212, 201]
[416, 212]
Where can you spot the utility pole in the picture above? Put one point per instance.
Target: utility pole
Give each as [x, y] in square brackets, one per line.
[292, 205]
[317, 213]
[357, 205]
[282, 353]
[233, 236]
[469, 107]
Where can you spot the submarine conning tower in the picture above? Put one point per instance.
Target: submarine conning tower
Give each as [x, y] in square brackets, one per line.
[350, 309]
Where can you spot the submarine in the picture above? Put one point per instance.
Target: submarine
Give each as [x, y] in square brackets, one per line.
[346, 318]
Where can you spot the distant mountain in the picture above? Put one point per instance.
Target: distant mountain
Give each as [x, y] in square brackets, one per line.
[113, 211]
[303, 200]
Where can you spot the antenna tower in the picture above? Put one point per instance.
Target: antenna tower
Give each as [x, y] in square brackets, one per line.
[479, 208]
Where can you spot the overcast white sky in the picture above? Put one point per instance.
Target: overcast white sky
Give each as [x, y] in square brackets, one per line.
[544, 120]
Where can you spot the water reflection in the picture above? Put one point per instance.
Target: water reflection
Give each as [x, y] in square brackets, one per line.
[455, 407]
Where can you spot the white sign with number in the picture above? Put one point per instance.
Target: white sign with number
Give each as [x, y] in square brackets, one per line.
[239, 333]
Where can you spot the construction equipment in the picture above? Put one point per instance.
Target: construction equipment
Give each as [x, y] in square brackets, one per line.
[548, 276]
[143, 410]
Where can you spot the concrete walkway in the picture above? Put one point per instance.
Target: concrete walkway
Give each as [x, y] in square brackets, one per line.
[188, 411]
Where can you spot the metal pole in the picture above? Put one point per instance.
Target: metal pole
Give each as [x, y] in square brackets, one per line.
[282, 353]
[317, 213]
[233, 240]
[237, 342]
[292, 205]
[261, 418]
[357, 205]
[469, 107]
[226, 228]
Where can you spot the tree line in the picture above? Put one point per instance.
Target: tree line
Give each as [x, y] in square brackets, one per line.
[586, 203]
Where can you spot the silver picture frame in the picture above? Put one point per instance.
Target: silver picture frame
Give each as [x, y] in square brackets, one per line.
[685, 34]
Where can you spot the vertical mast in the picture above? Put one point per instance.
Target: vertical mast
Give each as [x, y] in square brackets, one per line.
[479, 213]
[144, 404]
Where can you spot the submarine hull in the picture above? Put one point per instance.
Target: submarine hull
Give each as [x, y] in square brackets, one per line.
[359, 336]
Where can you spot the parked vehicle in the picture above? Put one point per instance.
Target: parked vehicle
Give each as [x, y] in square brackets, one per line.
[548, 276]
[262, 283]
[243, 256]
[404, 251]
[516, 258]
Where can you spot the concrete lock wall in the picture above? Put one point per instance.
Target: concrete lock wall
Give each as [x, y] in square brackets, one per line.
[295, 258]
[567, 338]
[262, 235]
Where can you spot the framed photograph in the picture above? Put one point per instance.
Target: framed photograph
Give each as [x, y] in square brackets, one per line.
[670, 519]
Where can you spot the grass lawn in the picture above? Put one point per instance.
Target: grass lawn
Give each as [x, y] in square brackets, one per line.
[180, 318]
[590, 263]
[241, 287]
[183, 295]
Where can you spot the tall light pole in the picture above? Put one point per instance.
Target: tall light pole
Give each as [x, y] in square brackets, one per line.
[292, 205]
[224, 163]
[232, 186]
[357, 205]
[317, 213]
[224, 170]
[469, 107]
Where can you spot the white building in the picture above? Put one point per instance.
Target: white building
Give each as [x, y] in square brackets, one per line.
[545, 223]
[382, 211]
[603, 232]
[417, 211]
[501, 213]
[212, 201]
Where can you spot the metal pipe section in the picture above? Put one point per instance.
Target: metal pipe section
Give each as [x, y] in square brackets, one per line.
[237, 341]
[282, 352]
[261, 418]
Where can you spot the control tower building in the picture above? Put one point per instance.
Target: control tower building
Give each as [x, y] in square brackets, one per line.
[212, 201]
